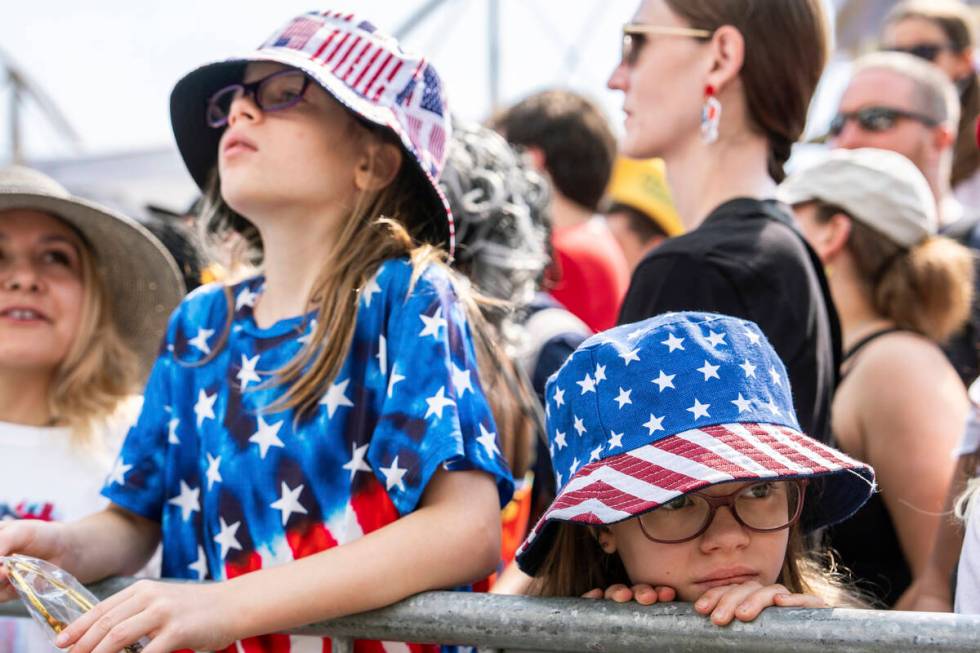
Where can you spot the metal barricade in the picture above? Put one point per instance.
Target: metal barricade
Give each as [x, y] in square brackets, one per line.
[511, 623]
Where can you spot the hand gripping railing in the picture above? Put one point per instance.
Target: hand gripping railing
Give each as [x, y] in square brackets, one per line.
[531, 624]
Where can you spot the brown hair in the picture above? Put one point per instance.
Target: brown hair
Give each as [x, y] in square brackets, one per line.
[571, 131]
[100, 370]
[576, 564]
[927, 288]
[958, 24]
[786, 49]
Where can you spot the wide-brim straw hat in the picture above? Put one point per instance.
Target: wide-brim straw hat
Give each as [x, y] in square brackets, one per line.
[143, 284]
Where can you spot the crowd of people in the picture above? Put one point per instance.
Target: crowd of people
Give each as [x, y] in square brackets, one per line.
[390, 351]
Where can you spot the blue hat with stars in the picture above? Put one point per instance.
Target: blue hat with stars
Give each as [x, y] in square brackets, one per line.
[647, 412]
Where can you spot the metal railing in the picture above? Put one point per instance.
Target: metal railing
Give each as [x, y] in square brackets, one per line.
[514, 623]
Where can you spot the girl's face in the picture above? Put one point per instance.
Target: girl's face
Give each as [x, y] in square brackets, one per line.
[727, 553]
[303, 156]
[41, 290]
[663, 89]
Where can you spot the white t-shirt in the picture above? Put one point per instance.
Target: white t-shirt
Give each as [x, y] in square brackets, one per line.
[968, 574]
[44, 476]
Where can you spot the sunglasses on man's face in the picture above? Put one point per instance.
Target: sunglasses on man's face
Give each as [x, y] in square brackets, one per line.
[927, 51]
[877, 119]
[635, 35]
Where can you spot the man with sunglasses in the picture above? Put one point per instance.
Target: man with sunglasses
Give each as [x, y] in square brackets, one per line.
[896, 101]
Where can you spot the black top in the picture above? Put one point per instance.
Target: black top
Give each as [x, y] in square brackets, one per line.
[748, 260]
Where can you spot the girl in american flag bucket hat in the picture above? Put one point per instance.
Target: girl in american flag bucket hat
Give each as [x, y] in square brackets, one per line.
[683, 474]
[315, 438]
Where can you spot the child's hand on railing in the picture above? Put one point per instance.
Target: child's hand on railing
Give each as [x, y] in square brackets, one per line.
[641, 593]
[744, 601]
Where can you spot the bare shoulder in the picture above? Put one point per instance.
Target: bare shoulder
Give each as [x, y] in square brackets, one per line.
[903, 360]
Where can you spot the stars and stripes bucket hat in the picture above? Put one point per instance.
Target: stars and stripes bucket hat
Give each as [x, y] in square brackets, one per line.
[359, 66]
[644, 413]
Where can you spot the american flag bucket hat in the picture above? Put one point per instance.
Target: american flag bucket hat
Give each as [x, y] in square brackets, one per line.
[359, 66]
[646, 412]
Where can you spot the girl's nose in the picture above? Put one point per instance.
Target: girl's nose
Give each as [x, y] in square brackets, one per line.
[20, 276]
[243, 107]
[724, 532]
[617, 80]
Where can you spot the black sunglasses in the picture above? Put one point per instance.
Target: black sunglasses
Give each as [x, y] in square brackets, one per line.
[274, 92]
[877, 119]
[927, 51]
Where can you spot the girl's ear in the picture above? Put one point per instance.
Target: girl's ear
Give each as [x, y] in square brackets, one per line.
[834, 237]
[378, 166]
[728, 53]
[607, 541]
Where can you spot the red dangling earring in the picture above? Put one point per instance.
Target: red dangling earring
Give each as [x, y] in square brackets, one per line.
[710, 115]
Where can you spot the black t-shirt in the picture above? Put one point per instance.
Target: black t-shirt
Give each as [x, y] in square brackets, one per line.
[748, 260]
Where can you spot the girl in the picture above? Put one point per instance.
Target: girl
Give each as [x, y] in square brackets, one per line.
[683, 473]
[84, 299]
[719, 89]
[316, 438]
[900, 290]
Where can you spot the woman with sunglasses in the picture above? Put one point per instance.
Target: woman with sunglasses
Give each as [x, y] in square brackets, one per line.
[690, 488]
[943, 32]
[315, 438]
[719, 89]
[900, 290]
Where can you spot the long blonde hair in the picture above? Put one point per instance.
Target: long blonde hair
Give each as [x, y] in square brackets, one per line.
[99, 370]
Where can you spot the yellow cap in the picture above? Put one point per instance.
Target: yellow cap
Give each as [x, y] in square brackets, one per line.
[642, 185]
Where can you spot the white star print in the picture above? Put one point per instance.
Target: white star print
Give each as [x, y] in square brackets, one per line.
[489, 441]
[699, 410]
[335, 397]
[559, 397]
[226, 538]
[587, 384]
[289, 502]
[575, 464]
[579, 426]
[245, 298]
[664, 380]
[267, 436]
[172, 431]
[308, 336]
[393, 475]
[773, 407]
[748, 368]
[200, 341]
[630, 356]
[615, 440]
[595, 454]
[634, 334]
[461, 381]
[710, 371]
[432, 324]
[600, 373]
[742, 404]
[369, 290]
[560, 441]
[382, 355]
[558, 479]
[247, 374]
[395, 379]
[673, 343]
[654, 424]
[624, 398]
[118, 473]
[752, 336]
[200, 567]
[204, 408]
[214, 471]
[715, 339]
[188, 500]
[775, 376]
[437, 403]
[356, 462]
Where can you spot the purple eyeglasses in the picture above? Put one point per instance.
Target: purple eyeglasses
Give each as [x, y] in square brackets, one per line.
[274, 92]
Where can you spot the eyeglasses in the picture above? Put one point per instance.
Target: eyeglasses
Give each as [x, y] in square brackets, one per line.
[877, 119]
[764, 507]
[275, 92]
[927, 51]
[634, 35]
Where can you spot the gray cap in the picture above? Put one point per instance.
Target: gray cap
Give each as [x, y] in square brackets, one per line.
[142, 279]
[879, 188]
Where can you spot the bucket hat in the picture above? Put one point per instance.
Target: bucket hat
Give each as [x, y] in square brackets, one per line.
[644, 413]
[359, 66]
[642, 184]
[142, 280]
[879, 188]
